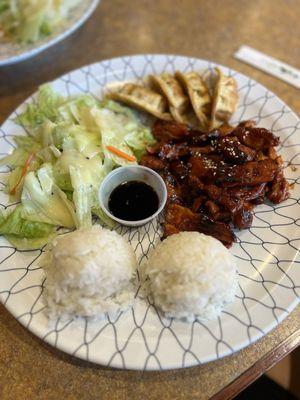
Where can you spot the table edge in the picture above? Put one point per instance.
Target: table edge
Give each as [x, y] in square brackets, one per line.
[259, 367]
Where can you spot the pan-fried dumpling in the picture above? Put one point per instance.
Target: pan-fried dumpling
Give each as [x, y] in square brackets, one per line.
[184, 115]
[209, 77]
[179, 103]
[225, 99]
[198, 94]
[142, 98]
[171, 88]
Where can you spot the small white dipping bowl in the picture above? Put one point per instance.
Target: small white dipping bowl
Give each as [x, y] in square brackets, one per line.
[127, 174]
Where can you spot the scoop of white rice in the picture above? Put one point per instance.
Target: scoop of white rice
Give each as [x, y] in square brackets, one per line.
[191, 275]
[89, 272]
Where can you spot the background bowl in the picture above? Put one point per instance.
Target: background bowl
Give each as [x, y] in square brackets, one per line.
[12, 52]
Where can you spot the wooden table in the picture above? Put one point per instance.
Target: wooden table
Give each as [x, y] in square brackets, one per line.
[30, 369]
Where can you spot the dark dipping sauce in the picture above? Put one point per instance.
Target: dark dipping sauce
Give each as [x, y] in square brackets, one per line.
[133, 201]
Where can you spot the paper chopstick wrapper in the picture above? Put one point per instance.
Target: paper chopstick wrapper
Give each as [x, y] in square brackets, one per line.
[270, 65]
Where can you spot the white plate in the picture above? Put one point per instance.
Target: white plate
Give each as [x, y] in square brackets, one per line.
[267, 253]
[11, 52]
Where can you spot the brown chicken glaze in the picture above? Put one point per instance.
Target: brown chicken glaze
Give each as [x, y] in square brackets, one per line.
[215, 179]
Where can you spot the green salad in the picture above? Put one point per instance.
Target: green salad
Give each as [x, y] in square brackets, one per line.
[56, 170]
[29, 20]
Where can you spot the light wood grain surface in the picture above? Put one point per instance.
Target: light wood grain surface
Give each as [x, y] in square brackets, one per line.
[30, 369]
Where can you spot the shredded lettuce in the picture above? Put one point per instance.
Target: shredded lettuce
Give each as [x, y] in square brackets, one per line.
[14, 224]
[13, 183]
[29, 243]
[24, 234]
[78, 110]
[29, 20]
[138, 141]
[17, 161]
[121, 129]
[81, 197]
[94, 168]
[121, 124]
[43, 201]
[106, 221]
[76, 137]
[58, 167]
[19, 156]
[86, 176]
[45, 108]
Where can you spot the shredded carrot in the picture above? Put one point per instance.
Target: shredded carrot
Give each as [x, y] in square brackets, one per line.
[120, 153]
[23, 173]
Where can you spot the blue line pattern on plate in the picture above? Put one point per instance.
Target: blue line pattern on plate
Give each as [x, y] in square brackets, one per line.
[141, 338]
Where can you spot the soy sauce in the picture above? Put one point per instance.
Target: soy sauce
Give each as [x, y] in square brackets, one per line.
[133, 201]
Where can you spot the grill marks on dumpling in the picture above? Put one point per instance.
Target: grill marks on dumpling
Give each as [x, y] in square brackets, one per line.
[225, 100]
[142, 98]
[179, 103]
[199, 95]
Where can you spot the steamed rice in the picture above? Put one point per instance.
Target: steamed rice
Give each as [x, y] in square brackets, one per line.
[89, 273]
[192, 275]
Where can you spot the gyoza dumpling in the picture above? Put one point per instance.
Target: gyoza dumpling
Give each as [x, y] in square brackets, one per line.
[184, 115]
[142, 98]
[171, 88]
[179, 103]
[198, 94]
[210, 78]
[225, 99]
